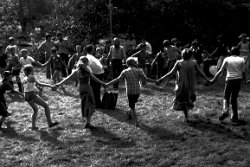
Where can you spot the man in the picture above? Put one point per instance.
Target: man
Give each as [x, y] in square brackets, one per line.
[116, 56]
[45, 48]
[64, 50]
[98, 70]
[235, 66]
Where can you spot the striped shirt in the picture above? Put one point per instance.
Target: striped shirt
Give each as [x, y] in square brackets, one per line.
[132, 76]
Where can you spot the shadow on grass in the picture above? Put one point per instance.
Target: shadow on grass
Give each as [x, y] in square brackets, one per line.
[225, 129]
[50, 136]
[67, 93]
[10, 132]
[107, 138]
[118, 114]
[161, 133]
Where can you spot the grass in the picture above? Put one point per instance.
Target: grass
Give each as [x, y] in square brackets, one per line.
[162, 140]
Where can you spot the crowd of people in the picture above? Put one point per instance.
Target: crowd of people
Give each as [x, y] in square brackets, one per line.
[92, 67]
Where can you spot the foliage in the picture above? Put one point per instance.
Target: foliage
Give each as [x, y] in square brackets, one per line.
[154, 20]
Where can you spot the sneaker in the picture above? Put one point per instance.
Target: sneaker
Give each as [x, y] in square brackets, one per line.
[223, 116]
[53, 124]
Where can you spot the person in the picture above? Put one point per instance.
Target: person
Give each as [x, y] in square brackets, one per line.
[171, 54]
[14, 66]
[5, 86]
[84, 73]
[3, 60]
[64, 50]
[197, 55]
[26, 59]
[45, 48]
[58, 64]
[235, 67]
[143, 58]
[185, 86]
[116, 56]
[148, 46]
[75, 58]
[98, 71]
[132, 76]
[244, 48]
[11, 45]
[33, 99]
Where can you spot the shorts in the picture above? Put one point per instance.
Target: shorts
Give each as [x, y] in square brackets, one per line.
[132, 100]
[30, 96]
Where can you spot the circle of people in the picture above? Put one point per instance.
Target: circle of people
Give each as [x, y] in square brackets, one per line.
[89, 67]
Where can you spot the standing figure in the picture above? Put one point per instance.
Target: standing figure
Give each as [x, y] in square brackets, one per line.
[3, 60]
[116, 56]
[45, 48]
[235, 66]
[185, 87]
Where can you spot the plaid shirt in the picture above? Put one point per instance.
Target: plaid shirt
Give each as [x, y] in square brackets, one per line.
[132, 77]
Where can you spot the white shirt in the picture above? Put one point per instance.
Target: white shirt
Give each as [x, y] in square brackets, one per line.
[27, 85]
[235, 67]
[95, 64]
[28, 60]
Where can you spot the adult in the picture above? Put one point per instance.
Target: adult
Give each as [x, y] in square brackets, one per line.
[143, 58]
[11, 45]
[45, 48]
[116, 56]
[171, 54]
[161, 61]
[98, 71]
[64, 50]
[3, 60]
[235, 66]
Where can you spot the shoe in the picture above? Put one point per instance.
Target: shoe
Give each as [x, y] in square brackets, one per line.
[53, 124]
[223, 116]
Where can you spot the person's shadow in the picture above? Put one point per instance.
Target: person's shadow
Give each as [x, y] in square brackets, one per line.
[50, 136]
[107, 138]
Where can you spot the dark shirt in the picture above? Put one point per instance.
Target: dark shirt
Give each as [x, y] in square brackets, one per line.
[56, 61]
[4, 87]
[3, 60]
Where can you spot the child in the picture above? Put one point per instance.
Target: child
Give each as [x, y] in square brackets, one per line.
[235, 66]
[6, 85]
[33, 99]
[132, 75]
[14, 66]
[74, 59]
[185, 87]
[57, 63]
[84, 73]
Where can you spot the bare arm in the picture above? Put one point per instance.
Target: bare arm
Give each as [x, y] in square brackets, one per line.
[173, 71]
[96, 79]
[218, 74]
[197, 68]
[68, 78]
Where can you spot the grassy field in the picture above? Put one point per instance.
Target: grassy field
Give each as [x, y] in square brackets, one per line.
[162, 140]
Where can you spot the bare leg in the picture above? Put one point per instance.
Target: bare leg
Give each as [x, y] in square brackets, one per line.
[34, 115]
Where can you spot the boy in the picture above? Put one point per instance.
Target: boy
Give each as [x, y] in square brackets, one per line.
[132, 75]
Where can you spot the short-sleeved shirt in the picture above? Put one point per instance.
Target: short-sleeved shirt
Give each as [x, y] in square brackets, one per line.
[28, 60]
[95, 65]
[132, 76]
[235, 67]
[3, 60]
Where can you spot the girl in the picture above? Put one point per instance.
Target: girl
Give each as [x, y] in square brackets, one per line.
[185, 87]
[33, 99]
[84, 73]
[6, 85]
[132, 75]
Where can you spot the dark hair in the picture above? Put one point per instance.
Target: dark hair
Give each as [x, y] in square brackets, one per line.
[187, 54]
[166, 43]
[47, 35]
[28, 68]
[234, 51]
[6, 74]
[59, 34]
[89, 48]
[53, 50]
